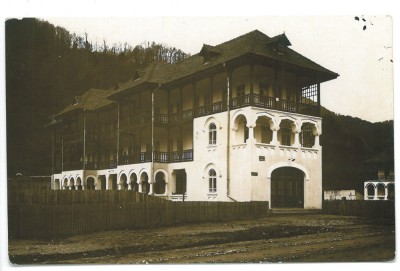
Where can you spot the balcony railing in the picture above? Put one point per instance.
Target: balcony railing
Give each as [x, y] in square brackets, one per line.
[72, 166]
[158, 157]
[273, 103]
[107, 164]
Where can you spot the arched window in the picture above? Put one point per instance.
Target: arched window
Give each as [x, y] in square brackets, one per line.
[212, 181]
[212, 134]
[307, 138]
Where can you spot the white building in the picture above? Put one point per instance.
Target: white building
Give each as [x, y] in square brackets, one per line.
[349, 194]
[239, 121]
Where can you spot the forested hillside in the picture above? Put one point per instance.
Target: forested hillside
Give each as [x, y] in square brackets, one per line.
[47, 66]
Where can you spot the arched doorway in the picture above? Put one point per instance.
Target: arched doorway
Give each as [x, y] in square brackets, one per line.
[72, 184]
[159, 186]
[90, 183]
[134, 183]
[287, 188]
[65, 184]
[78, 185]
[144, 178]
[123, 182]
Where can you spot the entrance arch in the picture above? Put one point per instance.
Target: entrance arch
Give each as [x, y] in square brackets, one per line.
[123, 183]
[159, 186]
[144, 181]
[90, 183]
[133, 182]
[287, 188]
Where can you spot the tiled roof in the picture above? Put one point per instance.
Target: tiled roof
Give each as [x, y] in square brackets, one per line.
[254, 42]
[90, 100]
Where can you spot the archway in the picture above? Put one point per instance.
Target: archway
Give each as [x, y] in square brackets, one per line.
[144, 181]
[123, 183]
[241, 130]
[72, 184]
[381, 190]
[65, 184]
[78, 184]
[370, 191]
[133, 182]
[90, 183]
[287, 188]
[159, 186]
[262, 131]
[101, 182]
[307, 138]
[112, 182]
[285, 134]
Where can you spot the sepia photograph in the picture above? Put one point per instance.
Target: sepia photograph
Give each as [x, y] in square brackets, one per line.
[199, 140]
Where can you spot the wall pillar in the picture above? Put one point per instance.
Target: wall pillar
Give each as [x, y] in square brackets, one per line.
[151, 187]
[376, 192]
[316, 142]
[365, 192]
[251, 138]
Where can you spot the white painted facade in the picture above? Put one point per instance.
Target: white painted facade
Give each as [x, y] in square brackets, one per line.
[349, 194]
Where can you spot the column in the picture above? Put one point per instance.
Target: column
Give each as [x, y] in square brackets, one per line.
[375, 192]
[251, 138]
[296, 129]
[296, 139]
[151, 187]
[386, 191]
[274, 140]
[140, 186]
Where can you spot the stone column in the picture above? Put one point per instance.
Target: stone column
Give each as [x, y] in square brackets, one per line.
[251, 138]
[151, 187]
[296, 129]
[274, 140]
[376, 192]
[140, 186]
[274, 126]
[386, 191]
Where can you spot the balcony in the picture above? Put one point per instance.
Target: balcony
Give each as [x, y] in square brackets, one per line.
[272, 103]
[143, 119]
[107, 164]
[72, 166]
[158, 157]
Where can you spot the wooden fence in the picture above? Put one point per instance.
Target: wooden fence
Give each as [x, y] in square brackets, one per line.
[48, 214]
[365, 208]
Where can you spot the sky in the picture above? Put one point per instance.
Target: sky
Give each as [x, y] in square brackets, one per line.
[362, 58]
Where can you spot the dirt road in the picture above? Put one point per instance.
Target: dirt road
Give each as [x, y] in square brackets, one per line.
[277, 238]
